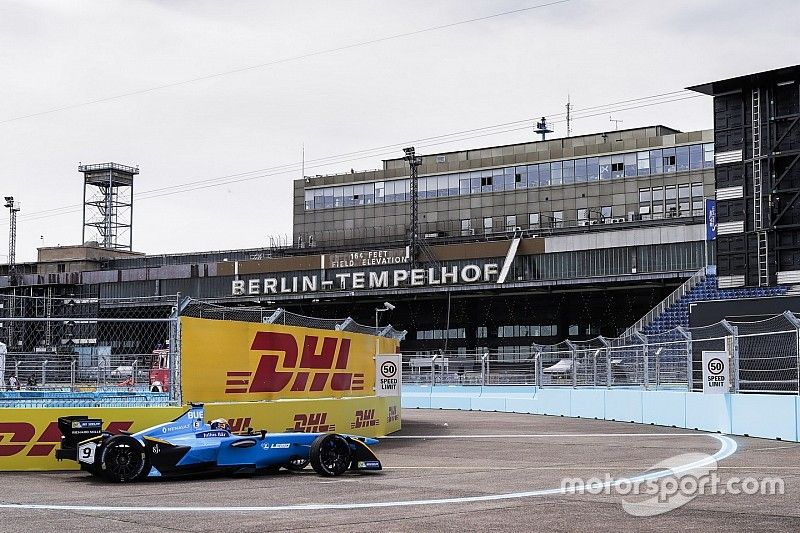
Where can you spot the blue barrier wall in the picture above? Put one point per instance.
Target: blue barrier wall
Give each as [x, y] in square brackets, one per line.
[769, 416]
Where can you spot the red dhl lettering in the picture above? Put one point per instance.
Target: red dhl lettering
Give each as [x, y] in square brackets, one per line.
[312, 371]
[22, 435]
[364, 418]
[312, 423]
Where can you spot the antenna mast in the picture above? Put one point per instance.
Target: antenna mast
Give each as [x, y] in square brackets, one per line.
[569, 122]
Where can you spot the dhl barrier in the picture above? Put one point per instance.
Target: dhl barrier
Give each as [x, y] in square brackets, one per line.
[244, 361]
[29, 437]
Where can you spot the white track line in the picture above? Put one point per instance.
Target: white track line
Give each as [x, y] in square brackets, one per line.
[543, 435]
[727, 448]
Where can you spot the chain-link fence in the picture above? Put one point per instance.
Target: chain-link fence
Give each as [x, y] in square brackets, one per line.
[211, 311]
[64, 344]
[763, 357]
[114, 346]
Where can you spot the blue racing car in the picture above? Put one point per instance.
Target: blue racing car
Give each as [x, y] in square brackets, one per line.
[190, 445]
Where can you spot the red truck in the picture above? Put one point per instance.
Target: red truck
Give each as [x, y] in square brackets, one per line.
[159, 370]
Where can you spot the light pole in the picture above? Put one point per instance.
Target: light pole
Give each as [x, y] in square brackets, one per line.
[386, 307]
[13, 209]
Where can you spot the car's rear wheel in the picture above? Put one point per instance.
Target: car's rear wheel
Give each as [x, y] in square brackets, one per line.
[124, 459]
[330, 455]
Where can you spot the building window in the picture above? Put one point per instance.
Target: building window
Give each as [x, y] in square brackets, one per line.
[482, 332]
[605, 213]
[668, 157]
[708, 155]
[487, 225]
[558, 219]
[62, 267]
[671, 201]
[511, 222]
[583, 214]
[643, 163]
[658, 202]
[466, 227]
[617, 166]
[682, 158]
[684, 207]
[533, 220]
[697, 199]
[605, 168]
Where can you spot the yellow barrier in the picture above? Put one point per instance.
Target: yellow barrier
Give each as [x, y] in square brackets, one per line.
[29, 437]
[224, 360]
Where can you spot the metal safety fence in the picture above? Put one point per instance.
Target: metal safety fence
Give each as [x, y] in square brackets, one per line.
[211, 311]
[58, 349]
[763, 357]
[125, 347]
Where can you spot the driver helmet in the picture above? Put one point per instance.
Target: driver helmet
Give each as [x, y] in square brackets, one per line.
[220, 423]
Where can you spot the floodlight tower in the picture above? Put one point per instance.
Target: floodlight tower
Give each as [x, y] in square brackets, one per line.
[414, 161]
[13, 209]
[108, 204]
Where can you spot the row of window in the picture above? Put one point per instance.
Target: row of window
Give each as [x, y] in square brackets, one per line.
[671, 201]
[654, 203]
[645, 163]
[483, 332]
[452, 333]
[527, 331]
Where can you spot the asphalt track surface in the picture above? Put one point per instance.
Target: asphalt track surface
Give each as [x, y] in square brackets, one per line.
[446, 471]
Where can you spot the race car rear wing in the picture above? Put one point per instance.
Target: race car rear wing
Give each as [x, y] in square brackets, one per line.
[74, 430]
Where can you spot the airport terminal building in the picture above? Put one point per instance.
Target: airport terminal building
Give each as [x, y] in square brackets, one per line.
[523, 243]
[518, 244]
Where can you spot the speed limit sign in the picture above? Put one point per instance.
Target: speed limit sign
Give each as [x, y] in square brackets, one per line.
[716, 377]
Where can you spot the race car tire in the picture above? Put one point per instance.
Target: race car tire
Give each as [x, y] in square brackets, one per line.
[124, 459]
[297, 464]
[330, 455]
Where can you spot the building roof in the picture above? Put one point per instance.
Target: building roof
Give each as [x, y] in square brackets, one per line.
[715, 88]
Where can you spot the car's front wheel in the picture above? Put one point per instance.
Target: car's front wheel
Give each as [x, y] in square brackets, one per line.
[330, 455]
[123, 459]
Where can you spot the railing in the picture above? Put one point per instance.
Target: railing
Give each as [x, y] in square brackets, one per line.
[763, 357]
[667, 302]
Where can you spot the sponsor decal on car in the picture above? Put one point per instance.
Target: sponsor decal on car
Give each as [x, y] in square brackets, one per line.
[212, 434]
[86, 424]
[172, 429]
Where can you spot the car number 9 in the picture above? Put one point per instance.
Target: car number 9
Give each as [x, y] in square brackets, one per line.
[86, 452]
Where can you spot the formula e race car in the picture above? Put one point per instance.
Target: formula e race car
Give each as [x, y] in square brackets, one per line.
[190, 445]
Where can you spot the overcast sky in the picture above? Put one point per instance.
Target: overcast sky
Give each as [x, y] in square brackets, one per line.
[509, 68]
